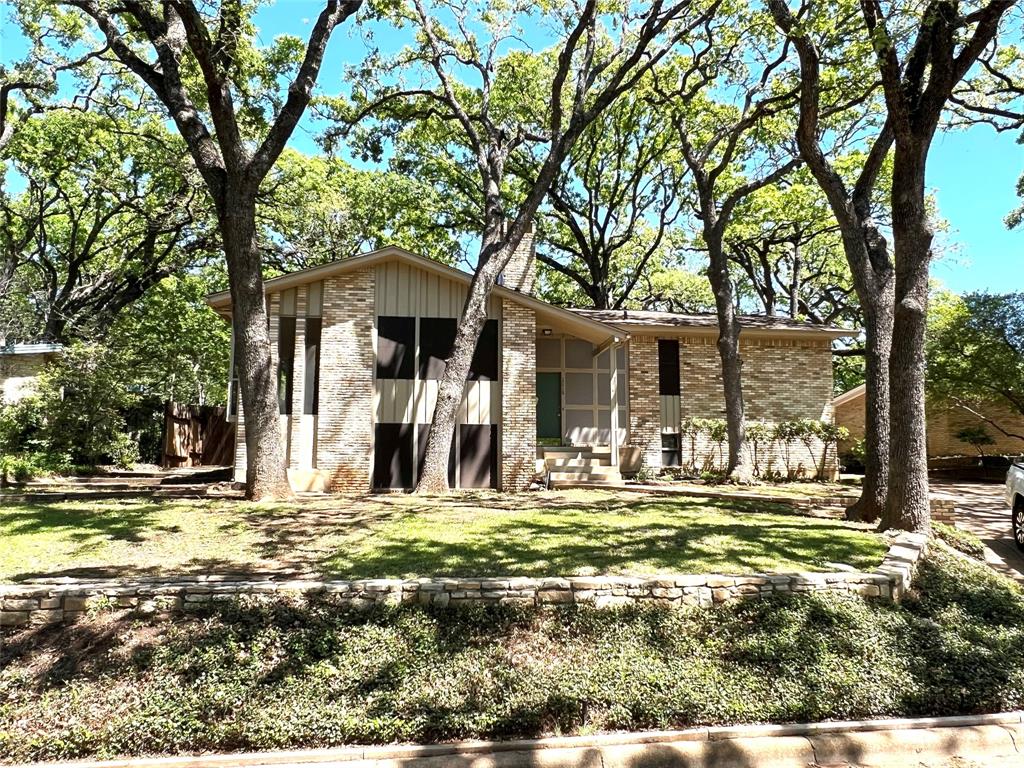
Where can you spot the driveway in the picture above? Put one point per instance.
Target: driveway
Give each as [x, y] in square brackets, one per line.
[981, 510]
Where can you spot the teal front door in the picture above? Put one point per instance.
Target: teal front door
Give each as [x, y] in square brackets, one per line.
[549, 406]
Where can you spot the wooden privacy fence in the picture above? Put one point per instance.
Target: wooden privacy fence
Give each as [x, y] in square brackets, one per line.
[197, 436]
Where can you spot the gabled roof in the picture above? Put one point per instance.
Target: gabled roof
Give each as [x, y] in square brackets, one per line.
[40, 348]
[849, 395]
[597, 325]
[584, 327]
[639, 321]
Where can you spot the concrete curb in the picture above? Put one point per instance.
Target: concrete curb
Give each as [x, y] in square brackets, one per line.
[878, 742]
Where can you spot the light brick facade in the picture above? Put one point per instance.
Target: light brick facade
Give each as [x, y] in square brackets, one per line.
[18, 374]
[787, 376]
[944, 421]
[344, 449]
[783, 380]
[521, 271]
[644, 402]
[518, 395]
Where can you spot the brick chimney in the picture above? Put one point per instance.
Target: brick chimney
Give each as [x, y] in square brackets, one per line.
[521, 271]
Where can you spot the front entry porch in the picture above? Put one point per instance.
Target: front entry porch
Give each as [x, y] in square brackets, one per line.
[582, 412]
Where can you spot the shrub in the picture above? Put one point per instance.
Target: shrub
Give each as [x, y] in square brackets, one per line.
[976, 436]
[84, 396]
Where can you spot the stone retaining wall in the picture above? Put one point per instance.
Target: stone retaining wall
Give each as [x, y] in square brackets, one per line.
[38, 604]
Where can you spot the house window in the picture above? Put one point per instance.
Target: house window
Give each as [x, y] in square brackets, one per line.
[668, 367]
[671, 455]
[437, 339]
[311, 390]
[396, 342]
[285, 363]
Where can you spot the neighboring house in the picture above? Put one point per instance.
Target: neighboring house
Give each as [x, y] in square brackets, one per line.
[360, 344]
[945, 420]
[20, 366]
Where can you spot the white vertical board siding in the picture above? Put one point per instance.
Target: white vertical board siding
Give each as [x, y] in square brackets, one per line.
[670, 418]
[407, 291]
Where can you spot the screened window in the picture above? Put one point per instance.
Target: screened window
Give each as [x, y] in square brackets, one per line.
[285, 363]
[437, 337]
[311, 390]
[671, 455]
[396, 344]
[668, 367]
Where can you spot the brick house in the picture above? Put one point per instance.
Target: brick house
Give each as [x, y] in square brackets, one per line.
[20, 366]
[945, 421]
[360, 345]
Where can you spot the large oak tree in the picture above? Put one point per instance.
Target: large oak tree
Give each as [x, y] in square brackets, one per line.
[594, 55]
[224, 95]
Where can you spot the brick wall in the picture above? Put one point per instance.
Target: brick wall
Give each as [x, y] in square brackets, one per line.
[944, 421]
[783, 380]
[644, 400]
[518, 395]
[521, 271]
[345, 436]
[18, 375]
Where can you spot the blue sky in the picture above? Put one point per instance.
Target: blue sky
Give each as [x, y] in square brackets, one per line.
[973, 173]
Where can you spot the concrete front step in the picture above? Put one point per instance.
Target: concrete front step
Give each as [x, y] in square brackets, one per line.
[582, 467]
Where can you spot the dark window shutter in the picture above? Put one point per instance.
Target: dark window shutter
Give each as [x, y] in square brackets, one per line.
[478, 456]
[396, 340]
[311, 391]
[485, 356]
[285, 363]
[671, 454]
[437, 338]
[668, 367]
[392, 456]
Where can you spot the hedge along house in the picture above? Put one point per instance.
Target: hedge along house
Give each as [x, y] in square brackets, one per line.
[360, 345]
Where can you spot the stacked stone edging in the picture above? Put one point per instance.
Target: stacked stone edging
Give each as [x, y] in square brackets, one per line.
[54, 603]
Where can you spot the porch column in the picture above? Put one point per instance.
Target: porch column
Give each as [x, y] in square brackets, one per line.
[613, 403]
[518, 395]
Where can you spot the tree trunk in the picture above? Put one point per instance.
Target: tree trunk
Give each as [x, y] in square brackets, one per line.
[738, 468]
[878, 330]
[907, 507]
[266, 477]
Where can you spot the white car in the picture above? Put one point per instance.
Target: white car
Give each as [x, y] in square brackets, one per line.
[1015, 501]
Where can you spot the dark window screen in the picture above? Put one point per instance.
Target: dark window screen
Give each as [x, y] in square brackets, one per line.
[392, 456]
[668, 367]
[671, 456]
[437, 336]
[396, 342]
[478, 456]
[311, 390]
[285, 363]
[485, 356]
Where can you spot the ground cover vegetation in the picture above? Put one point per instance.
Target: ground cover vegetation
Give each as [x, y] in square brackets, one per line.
[486, 534]
[308, 674]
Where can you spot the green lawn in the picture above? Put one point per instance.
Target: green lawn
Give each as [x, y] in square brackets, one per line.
[303, 675]
[575, 532]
